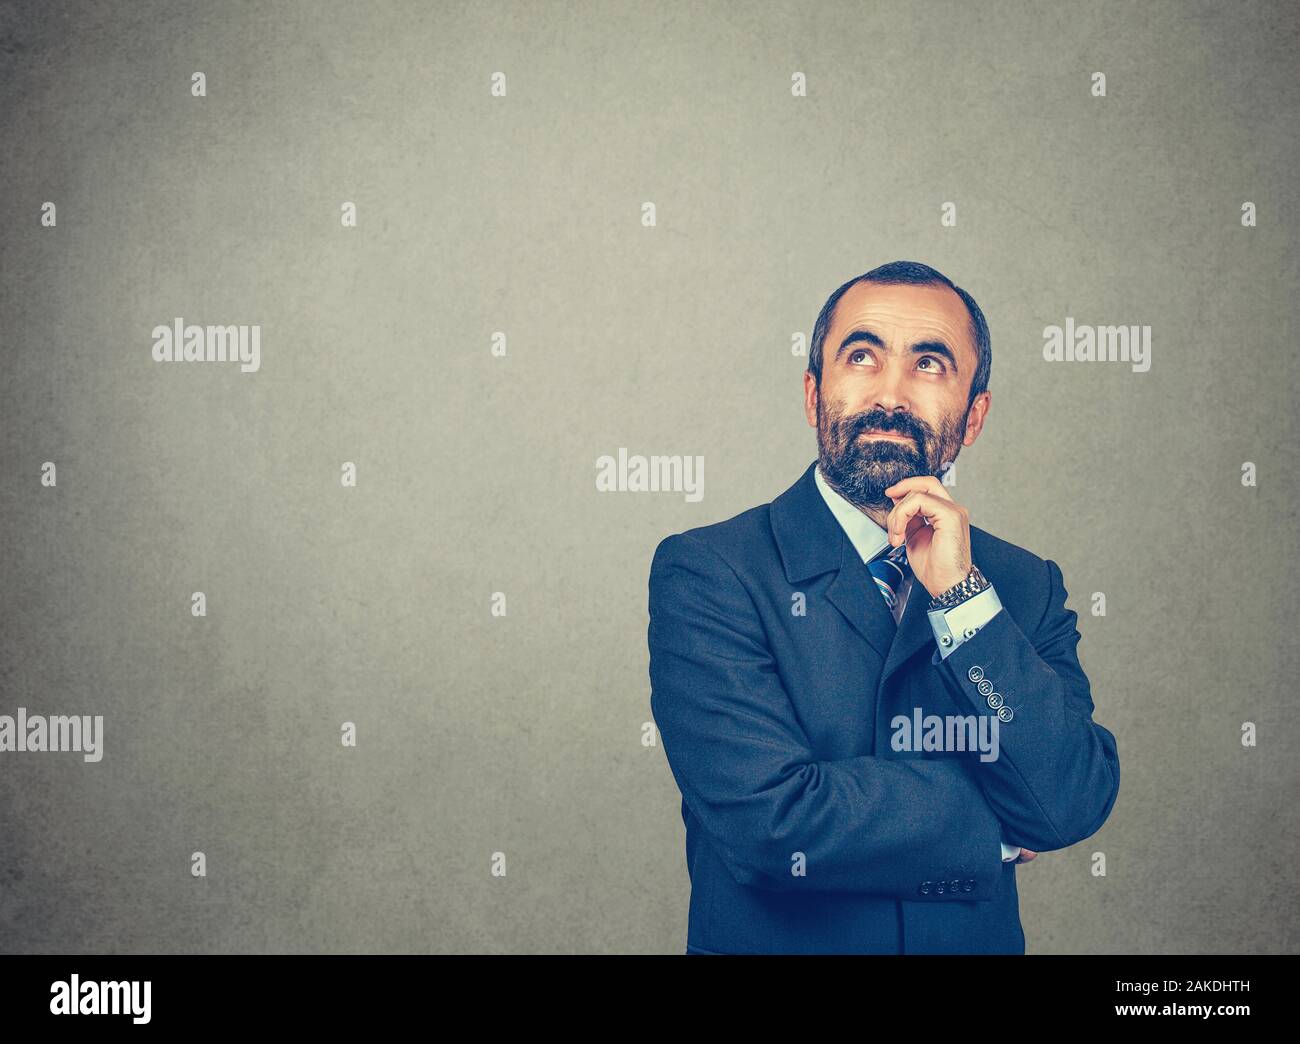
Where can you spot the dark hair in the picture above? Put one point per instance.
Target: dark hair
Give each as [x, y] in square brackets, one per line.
[916, 273]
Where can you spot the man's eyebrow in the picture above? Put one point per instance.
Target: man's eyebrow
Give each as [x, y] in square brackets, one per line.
[919, 348]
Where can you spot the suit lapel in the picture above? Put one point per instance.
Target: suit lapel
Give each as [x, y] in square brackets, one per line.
[914, 632]
[812, 542]
[853, 592]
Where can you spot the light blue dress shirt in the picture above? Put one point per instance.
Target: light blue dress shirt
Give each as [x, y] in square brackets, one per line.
[951, 627]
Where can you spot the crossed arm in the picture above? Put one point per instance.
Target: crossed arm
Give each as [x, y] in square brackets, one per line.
[868, 824]
[1056, 777]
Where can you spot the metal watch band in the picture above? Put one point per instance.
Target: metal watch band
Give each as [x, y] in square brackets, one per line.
[974, 583]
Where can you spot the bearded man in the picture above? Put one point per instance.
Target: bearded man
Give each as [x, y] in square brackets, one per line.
[790, 644]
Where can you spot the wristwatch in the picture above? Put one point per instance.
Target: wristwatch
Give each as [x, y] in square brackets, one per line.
[974, 583]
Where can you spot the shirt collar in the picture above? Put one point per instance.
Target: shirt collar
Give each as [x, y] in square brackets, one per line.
[868, 538]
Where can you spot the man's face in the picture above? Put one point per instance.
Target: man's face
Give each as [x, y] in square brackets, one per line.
[897, 365]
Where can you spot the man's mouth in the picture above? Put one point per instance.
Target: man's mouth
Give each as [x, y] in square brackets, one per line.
[887, 435]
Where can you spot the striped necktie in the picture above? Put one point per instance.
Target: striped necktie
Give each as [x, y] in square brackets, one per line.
[889, 572]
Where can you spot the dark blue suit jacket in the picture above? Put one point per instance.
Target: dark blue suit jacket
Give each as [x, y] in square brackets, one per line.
[777, 730]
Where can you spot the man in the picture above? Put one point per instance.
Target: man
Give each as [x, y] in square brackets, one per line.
[790, 644]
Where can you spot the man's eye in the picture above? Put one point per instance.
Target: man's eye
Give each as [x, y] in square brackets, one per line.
[858, 352]
[929, 358]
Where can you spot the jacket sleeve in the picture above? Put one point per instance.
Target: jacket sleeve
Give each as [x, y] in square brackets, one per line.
[747, 772]
[1056, 776]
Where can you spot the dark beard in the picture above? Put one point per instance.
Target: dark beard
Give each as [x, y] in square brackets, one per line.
[860, 470]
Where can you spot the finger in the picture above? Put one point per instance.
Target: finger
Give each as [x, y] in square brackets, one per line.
[937, 513]
[913, 505]
[1026, 855]
[920, 484]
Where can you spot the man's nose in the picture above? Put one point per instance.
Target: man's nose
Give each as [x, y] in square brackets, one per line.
[891, 390]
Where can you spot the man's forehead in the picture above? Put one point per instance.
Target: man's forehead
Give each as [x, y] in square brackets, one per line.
[904, 311]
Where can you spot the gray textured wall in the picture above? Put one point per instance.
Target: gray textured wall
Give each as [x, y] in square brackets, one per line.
[522, 214]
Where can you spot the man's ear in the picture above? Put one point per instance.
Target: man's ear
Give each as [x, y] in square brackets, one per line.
[810, 398]
[979, 410]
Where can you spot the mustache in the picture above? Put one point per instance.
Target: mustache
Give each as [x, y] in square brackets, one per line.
[877, 421]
